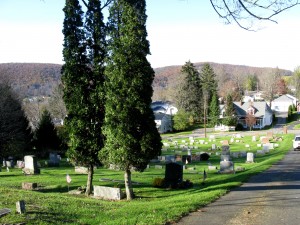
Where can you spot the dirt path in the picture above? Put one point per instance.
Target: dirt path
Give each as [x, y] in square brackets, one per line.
[270, 198]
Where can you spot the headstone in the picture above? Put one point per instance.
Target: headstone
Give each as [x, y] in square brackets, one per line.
[237, 141]
[225, 157]
[270, 135]
[260, 152]
[20, 164]
[243, 154]
[201, 142]
[210, 167]
[29, 186]
[83, 170]
[4, 211]
[108, 193]
[226, 167]
[158, 166]
[225, 150]
[10, 163]
[250, 157]
[238, 136]
[213, 147]
[189, 152]
[266, 148]
[173, 174]
[271, 146]
[186, 159]
[253, 138]
[212, 137]
[235, 154]
[247, 146]
[231, 140]
[265, 140]
[258, 145]
[53, 159]
[225, 142]
[30, 165]
[170, 158]
[195, 157]
[276, 145]
[178, 158]
[20, 207]
[239, 169]
[284, 129]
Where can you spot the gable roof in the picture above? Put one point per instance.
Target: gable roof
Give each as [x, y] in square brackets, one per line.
[260, 108]
[284, 98]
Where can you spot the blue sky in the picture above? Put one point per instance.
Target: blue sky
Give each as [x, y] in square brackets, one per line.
[178, 31]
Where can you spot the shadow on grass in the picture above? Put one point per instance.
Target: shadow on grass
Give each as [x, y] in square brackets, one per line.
[51, 217]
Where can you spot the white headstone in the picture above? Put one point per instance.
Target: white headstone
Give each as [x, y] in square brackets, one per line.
[30, 166]
[250, 157]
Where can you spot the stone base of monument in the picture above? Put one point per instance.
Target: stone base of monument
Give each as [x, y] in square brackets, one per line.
[226, 167]
[29, 186]
[27, 171]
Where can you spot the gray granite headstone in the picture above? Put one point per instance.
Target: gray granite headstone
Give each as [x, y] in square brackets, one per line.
[53, 159]
[108, 193]
[226, 167]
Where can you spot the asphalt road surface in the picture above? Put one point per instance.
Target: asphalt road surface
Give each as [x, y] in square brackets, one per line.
[269, 198]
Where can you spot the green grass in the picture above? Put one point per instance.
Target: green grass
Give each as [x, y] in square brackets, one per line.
[51, 204]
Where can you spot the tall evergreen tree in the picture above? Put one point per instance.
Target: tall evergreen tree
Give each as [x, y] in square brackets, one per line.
[214, 111]
[229, 119]
[132, 139]
[83, 83]
[46, 138]
[189, 97]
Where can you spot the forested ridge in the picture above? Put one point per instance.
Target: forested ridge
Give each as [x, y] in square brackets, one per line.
[36, 79]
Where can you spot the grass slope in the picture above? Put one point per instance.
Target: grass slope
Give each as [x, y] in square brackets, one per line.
[51, 204]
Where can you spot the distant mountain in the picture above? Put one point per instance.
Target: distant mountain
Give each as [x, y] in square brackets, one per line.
[31, 79]
[167, 78]
[36, 79]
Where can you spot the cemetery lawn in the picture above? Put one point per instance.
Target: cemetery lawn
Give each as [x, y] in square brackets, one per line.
[51, 203]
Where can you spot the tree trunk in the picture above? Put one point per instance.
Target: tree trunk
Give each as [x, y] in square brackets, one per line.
[89, 182]
[128, 184]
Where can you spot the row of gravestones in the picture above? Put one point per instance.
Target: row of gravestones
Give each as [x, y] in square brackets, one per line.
[30, 164]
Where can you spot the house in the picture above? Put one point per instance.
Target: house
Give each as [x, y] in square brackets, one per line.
[163, 112]
[165, 107]
[282, 103]
[163, 122]
[260, 110]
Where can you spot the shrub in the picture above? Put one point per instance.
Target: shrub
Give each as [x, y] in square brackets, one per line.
[204, 156]
[159, 182]
[239, 127]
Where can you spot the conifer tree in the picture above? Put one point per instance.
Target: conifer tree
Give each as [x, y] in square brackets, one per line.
[214, 111]
[189, 97]
[132, 139]
[83, 83]
[46, 138]
[229, 119]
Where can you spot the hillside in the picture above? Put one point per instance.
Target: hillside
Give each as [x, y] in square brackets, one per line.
[31, 79]
[35, 79]
[167, 78]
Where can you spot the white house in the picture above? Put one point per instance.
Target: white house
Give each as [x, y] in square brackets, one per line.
[163, 112]
[165, 107]
[260, 110]
[163, 122]
[282, 103]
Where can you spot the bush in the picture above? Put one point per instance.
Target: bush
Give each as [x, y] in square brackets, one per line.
[159, 182]
[181, 121]
[204, 157]
[239, 127]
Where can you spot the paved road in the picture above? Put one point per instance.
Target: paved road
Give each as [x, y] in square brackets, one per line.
[270, 198]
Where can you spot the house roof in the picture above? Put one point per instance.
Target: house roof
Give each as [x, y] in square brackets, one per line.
[284, 98]
[260, 108]
[159, 116]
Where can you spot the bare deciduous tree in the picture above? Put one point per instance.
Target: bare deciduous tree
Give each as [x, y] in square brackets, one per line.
[245, 12]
